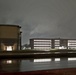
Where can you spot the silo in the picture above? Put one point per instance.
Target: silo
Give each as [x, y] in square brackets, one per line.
[10, 37]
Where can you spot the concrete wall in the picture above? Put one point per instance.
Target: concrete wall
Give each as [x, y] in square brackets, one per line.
[9, 31]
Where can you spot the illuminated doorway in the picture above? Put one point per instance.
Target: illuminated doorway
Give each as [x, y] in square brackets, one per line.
[9, 48]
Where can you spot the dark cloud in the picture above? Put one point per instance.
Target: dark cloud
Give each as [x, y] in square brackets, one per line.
[40, 18]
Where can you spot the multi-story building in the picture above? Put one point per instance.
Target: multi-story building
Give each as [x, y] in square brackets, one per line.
[53, 43]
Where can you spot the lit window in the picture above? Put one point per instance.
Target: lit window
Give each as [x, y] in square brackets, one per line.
[57, 40]
[9, 48]
[42, 45]
[43, 40]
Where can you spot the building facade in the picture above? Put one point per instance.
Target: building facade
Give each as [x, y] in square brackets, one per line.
[10, 37]
[53, 43]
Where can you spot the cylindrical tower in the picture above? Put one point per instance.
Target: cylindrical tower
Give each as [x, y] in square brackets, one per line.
[10, 37]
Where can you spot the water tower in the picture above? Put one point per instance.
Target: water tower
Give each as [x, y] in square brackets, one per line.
[10, 37]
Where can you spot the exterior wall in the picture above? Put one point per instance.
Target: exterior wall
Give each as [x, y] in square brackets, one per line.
[57, 43]
[9, 32]
[32, 43]
[63, 42]
[52, 44]
[71, 44]
[10, 35]
[40, 44]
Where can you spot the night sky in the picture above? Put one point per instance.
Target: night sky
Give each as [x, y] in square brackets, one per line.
[40, 18]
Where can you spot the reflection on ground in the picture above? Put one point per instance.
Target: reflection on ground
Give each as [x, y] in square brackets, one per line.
[9, 65]
[17, 65]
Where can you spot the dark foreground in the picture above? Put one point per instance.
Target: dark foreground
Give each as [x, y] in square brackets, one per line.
[37, 54]
[70, 71]
[26, 56]
[43, 54]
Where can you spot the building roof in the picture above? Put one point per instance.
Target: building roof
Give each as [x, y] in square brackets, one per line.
[51, 39]
[10, 25]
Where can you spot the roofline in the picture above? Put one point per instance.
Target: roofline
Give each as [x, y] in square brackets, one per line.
[51, 39]
[10, 25]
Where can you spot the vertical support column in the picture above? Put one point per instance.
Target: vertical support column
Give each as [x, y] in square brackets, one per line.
[20, 40]
[32, 43]
[53, 44]
[67, 44]
[0, 44]
[52, 59]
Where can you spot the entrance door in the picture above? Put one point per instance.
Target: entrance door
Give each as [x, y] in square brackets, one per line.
[9, 48]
